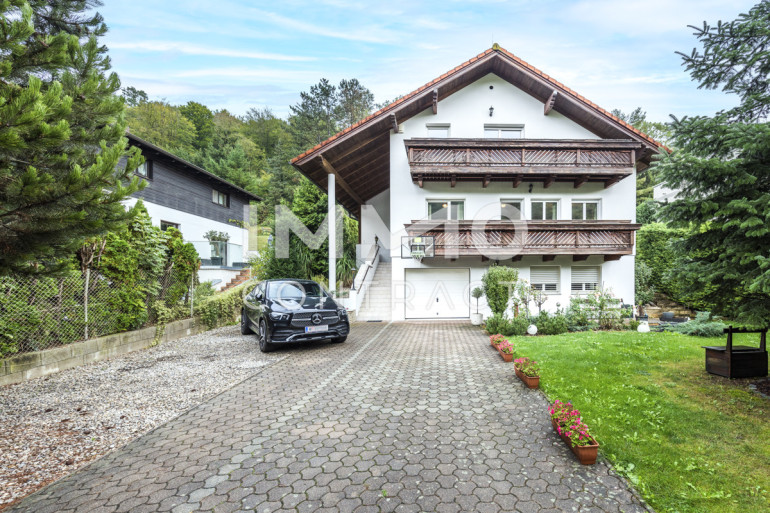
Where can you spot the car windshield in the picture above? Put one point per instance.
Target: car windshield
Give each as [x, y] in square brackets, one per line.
[293, 290]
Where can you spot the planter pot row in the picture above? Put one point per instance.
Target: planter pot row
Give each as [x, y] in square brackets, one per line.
[586, 454]
[530, 381]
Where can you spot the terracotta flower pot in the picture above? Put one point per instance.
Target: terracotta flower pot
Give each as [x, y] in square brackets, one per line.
[586, 454]
[506, 357]
[530, 381]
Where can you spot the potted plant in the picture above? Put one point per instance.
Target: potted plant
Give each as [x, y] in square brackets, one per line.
[527, 371]
[496, 339]
[505, 348]
[566, 421]
[476, 317]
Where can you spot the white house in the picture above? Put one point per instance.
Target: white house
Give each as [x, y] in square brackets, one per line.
[492, 161]
[182, 195]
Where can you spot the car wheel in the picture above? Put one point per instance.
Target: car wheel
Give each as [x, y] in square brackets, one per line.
[264, 338]
[339, 340]
[245, 328]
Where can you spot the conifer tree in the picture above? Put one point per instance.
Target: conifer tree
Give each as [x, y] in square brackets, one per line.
[722, 166]
[61, 134]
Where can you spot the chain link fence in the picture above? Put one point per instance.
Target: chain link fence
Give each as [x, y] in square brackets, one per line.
[39, 313]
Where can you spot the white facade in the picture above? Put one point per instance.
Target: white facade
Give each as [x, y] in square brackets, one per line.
[465, 114]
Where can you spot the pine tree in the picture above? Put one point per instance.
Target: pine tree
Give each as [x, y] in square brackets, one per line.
[722, 166]
[61, 135]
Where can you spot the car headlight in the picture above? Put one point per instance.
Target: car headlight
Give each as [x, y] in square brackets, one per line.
[342, 312]
[279, 316]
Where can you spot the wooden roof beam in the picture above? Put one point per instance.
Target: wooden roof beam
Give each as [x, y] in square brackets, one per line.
[549, 181]
[487, 179]
[609, 258]
[339, 180]
[548, 258]
[579, 258]
[435, 101]
[612, 181]
[580, 181]
[453, 181]
[516, 181]
[549, 103]
[419, 181]
[394, 123]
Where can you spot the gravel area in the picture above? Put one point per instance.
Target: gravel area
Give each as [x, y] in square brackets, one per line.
[55, 425]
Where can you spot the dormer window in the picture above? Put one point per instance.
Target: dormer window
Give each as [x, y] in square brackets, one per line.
[438, 131]
[504, 131]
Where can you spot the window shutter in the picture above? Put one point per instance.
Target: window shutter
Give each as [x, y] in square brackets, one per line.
[544, 278]
[585, 278]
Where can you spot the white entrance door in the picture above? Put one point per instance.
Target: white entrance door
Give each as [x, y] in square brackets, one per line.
[437, 293]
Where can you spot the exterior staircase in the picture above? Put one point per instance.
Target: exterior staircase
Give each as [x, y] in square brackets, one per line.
[378, 299]
[241, 277]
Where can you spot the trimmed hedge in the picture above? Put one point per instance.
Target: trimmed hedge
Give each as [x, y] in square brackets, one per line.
[223, 309]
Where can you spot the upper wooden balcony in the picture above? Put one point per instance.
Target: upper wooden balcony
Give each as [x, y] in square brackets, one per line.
[521, 160]
[513, 239]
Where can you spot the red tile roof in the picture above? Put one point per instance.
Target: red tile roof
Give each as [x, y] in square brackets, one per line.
[495, 48]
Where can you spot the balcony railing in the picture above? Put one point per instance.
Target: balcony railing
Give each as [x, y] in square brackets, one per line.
[517, 160]
[507, 239]
[219, 254]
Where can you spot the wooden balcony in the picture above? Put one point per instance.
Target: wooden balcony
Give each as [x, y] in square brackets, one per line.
[513, 239]
[521, 160]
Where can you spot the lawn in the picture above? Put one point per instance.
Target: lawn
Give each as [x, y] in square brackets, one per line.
[689, 441]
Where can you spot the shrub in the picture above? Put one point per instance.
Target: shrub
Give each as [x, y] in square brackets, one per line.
[517, 327]
[645, 291]
[495, 324]
[551, 324]
[633, 325]
[702, 326]
[499, 282]
[223, 308]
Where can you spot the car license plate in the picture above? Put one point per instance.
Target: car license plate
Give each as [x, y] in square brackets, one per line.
[316, 329]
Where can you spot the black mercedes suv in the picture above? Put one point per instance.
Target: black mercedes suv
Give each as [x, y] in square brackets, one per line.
[283, 311]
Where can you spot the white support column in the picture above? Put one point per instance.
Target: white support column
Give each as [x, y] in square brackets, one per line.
[332, 218]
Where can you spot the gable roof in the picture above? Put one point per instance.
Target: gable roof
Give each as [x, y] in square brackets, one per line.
[198, 171]
[349, 151]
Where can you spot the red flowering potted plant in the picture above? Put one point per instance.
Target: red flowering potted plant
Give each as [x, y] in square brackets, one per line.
[506, 350]
[528, 371]
[569, 425]
[496, 339]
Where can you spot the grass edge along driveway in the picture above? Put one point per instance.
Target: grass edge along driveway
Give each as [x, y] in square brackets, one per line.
[689, 441]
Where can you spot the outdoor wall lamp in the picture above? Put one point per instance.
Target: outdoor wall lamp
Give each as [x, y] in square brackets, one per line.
[491, 111]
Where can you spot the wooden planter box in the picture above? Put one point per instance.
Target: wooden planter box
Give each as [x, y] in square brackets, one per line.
[530, 381]
[506, 357]
[738, 361]
[586, 454]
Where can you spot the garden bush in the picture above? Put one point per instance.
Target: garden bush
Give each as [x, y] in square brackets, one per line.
[223, 308]
[702, 326]
[548, 324]
[517, 326]
[499, 282]
[496, 324]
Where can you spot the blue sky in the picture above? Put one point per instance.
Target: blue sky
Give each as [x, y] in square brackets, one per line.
[237, 54]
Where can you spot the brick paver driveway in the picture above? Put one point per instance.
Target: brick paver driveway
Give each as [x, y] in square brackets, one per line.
[403, 417]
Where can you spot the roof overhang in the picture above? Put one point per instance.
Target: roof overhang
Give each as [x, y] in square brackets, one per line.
[359, 156]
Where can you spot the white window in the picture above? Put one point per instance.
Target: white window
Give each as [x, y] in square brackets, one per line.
[545, 279]
[220, 198]
[446, 209]
[144, 170]
[585, 279]
[504, 131]
[165, 225]
[585, 210]
[545, 210]
[438, 131]
[511, 210]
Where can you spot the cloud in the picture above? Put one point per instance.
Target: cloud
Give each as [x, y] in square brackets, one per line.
[193, 49]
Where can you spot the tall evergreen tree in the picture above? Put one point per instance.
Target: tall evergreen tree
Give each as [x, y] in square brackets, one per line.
[722, 166]
[61, 134]
[203, 120]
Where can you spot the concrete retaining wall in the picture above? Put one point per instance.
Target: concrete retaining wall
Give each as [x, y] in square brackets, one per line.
[42, 363]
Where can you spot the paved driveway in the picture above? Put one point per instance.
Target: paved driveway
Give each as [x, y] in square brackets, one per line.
[403, 417]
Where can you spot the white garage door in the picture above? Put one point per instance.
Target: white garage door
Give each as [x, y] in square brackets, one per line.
[437, 293]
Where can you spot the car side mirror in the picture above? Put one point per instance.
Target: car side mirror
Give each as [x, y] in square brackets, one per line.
[259, 296]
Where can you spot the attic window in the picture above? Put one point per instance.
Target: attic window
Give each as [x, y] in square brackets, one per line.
[504, 132]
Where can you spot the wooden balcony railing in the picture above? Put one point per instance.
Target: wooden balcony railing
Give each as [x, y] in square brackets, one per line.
[517, 160]
[507, 239]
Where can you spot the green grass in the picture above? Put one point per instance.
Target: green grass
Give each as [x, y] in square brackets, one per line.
[688, 441]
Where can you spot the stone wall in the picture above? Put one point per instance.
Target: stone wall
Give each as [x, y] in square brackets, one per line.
[42, 363]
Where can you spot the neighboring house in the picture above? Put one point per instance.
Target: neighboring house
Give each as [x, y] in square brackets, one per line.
[494, 160]
[184, 196]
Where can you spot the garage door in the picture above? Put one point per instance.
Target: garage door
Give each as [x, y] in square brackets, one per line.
[437, 293]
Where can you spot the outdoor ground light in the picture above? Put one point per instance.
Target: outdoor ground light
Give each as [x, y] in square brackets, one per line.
[644, 327]
[532, 330]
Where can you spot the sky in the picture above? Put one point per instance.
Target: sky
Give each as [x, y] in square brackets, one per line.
[238, 55]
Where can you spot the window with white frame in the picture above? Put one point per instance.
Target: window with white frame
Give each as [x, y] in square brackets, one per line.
[511, 210]
[545, 210]
[438, 131]
[585, 210]
[144, 170]
[585, 279]
[165, 225]
[220, 198]
[446, 209]
[545, 279]
[504, 131]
